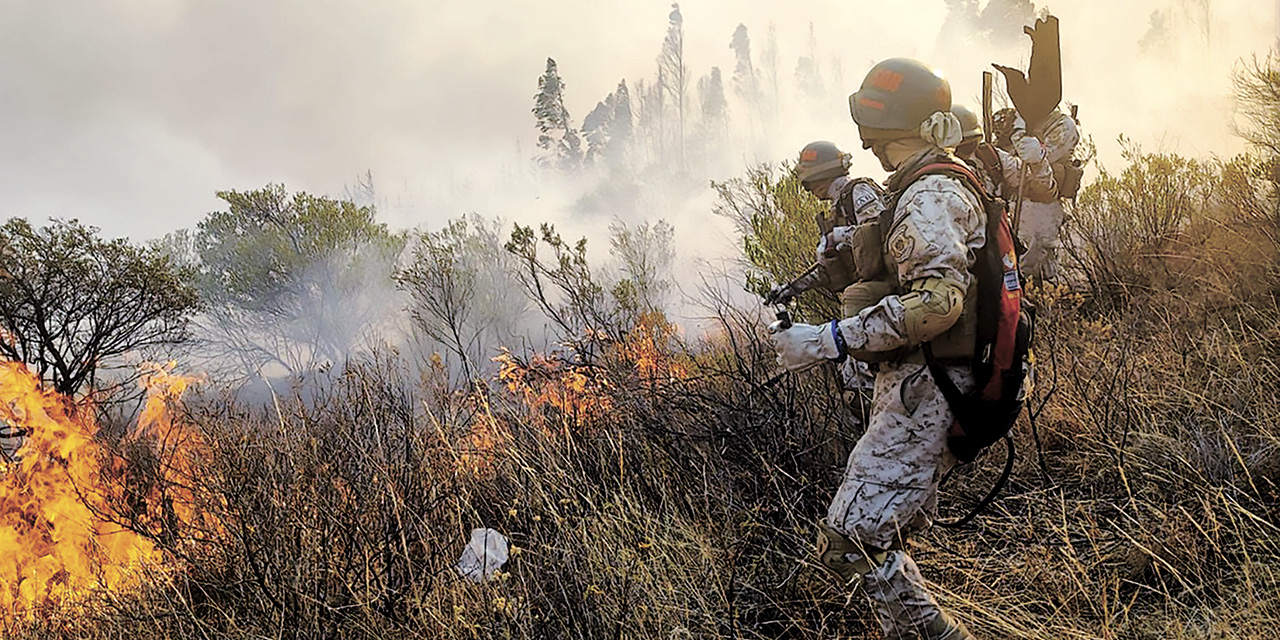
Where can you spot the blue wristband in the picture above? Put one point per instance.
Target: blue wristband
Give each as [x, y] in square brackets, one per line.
[838, 338]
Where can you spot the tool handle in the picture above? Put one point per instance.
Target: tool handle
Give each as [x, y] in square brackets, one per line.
[784, 319]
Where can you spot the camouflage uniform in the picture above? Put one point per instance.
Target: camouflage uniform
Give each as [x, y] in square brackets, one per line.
[889, 489]
[1006, 179]
[854, 202]
[1040, 223]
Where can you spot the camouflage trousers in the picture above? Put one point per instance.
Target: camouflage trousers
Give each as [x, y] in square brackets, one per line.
[1039, 228]
[890, 489]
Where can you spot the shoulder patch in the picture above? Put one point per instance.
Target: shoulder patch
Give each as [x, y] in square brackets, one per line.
[862, 198]
[901, 245]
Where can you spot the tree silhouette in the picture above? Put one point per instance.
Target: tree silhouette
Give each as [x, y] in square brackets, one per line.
[556, 135]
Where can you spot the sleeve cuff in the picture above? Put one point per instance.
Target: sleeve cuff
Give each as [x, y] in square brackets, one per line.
[837, 337]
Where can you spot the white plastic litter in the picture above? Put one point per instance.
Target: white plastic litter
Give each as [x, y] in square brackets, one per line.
[484, 555]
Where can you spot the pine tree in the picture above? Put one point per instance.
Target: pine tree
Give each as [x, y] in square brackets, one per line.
[672, 73]
[808, 75]
[620, 126]
[642, 118]
[745, 84]
[607, 128]
[715, 109]
[649, 121]
[714, 125]
[595, 128]
[771, 92]
[556, 136]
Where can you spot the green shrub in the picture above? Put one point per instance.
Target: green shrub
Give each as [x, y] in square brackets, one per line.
[778, 228]
[1122, 224]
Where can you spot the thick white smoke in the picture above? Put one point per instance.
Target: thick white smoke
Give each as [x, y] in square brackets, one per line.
[129, 114]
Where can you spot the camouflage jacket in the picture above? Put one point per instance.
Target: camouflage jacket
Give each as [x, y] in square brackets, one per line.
[854, 201]
[1060, 136]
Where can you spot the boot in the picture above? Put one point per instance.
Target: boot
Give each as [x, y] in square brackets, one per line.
[944, 627]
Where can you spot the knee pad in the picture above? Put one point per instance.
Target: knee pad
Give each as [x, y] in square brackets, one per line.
[846, 558]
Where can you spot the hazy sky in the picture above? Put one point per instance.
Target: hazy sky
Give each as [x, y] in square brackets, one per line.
[129, 114]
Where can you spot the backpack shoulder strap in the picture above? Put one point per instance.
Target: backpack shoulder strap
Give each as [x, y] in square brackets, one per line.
[986, 152]
[959, 171]
[989, 157]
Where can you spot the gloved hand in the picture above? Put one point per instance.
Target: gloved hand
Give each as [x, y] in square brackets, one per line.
[780, 294]
[1027, 146]
[829, 241]
[804, 346]
[1003, 122]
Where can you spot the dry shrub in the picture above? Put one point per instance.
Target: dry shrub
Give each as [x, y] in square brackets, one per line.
[1121, 224]
[685, 509]
[1157, 409]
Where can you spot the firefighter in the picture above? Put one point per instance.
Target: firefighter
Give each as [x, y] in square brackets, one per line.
[1051, 141]
[889, 487]
[823, 171]
[1003, 171]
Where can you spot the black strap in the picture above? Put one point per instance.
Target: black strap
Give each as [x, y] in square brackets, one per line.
[989, 159]
[991, 495]
[844, 209]
[940, 377]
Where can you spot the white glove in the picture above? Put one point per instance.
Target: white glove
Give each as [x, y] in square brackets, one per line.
[804, 346]
[837, 237]
[1029, 148]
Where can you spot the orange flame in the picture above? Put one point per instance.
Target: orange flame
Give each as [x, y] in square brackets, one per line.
[562, 395]
[565, 397]
[60, 539]
[480, 446]
[177, 448]
[648, 347]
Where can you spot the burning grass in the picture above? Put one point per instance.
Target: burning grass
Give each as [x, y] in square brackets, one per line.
[72, 525]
